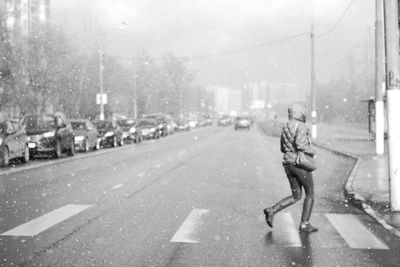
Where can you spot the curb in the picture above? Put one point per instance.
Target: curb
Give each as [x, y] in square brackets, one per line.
[351, 195]
[355, 198]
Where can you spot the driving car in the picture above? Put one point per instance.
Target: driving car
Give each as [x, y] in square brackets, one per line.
[131, 131]
[182, 125]
[242, 123]
[149, 128]
[110, 134]
[86, 135]
[13, 144]
[49, 134]
[224, 121]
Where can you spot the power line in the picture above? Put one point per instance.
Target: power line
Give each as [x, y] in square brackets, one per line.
[238, 50]
[251, 47]
[338, 21]
[290, 37]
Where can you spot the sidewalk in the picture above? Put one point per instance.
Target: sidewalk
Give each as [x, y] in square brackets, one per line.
[367, 186]
[368, 183]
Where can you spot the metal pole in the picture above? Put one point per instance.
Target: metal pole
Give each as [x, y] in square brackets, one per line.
[135, 93]
[379, 105]
[313, 93]
[101, 81]
[393, 99]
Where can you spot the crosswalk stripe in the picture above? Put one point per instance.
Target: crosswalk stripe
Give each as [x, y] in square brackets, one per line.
[46, 221]
[327, 236]
[187, 231]
[354, 232]
[285, 233]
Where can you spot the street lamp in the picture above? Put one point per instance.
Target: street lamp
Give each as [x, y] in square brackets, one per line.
[101, 99]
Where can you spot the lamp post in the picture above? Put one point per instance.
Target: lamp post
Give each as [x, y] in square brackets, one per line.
[312, 78]
[102, 97]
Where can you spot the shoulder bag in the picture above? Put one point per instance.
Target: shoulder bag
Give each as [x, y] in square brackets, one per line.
[303, 160]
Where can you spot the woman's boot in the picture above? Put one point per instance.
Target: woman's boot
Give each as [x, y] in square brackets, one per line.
[305, 225]
[271, 211]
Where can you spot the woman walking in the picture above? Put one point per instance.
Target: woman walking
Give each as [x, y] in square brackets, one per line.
[294, 140]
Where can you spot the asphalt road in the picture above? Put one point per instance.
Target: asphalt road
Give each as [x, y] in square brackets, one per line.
[192, 199]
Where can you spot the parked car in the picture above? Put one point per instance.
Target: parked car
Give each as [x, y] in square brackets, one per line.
[110, 133]
[50, 134]
[131, 131]
[242, 123]
[182, 125]
[86, 135]
[162, 122]
[13, 142]
[149, 128]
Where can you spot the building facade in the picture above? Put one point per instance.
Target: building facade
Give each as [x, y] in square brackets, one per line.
[24, 16]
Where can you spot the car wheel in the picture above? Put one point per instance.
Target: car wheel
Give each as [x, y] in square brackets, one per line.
[5, 158]
[86, 146]
[115, 142]
[57, 149]
[26, 155]
[71, 150]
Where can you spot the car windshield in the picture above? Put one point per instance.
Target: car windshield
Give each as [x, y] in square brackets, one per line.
[78, 125]
[36, 122]
[101, 125]
[125, 123]
[144, 123]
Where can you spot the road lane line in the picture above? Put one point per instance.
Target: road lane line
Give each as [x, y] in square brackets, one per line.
[354, 232]
[117, 186]
[187, 232]
[46, 221]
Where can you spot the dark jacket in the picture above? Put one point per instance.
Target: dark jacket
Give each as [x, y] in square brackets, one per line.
[295, 139]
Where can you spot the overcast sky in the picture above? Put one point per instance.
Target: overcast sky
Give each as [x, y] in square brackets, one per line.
[196, 27]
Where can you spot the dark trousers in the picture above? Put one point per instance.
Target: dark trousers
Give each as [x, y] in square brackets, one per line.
[298, 179]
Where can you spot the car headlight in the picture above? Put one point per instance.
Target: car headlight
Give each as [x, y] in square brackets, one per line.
[132, 130]
[79, 138]
[152, 129]
[49, 134]
[108, 134]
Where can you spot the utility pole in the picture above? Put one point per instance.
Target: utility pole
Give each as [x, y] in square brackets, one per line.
[135, 85]
[313, 93]
[101, 67]
[379, 105]
[393, 99]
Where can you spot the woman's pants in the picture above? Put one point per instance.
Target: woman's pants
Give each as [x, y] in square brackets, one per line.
[298, 179]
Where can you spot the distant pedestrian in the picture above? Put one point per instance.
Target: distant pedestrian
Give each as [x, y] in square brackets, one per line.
[295, 139]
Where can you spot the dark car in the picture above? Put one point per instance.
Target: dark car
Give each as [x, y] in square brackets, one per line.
[86, 135]
[50, 134]
[149, 128]
[162, 122]
[110, 133]
[242, 123]
[131, 131]
[12, 142]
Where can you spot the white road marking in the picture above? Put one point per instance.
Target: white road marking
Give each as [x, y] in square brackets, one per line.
[46, 221]
[354, 232]
[117, 186]
[285, 233]
[187, 231]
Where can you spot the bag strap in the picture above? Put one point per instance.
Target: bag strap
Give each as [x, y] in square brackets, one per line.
[295, 133]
